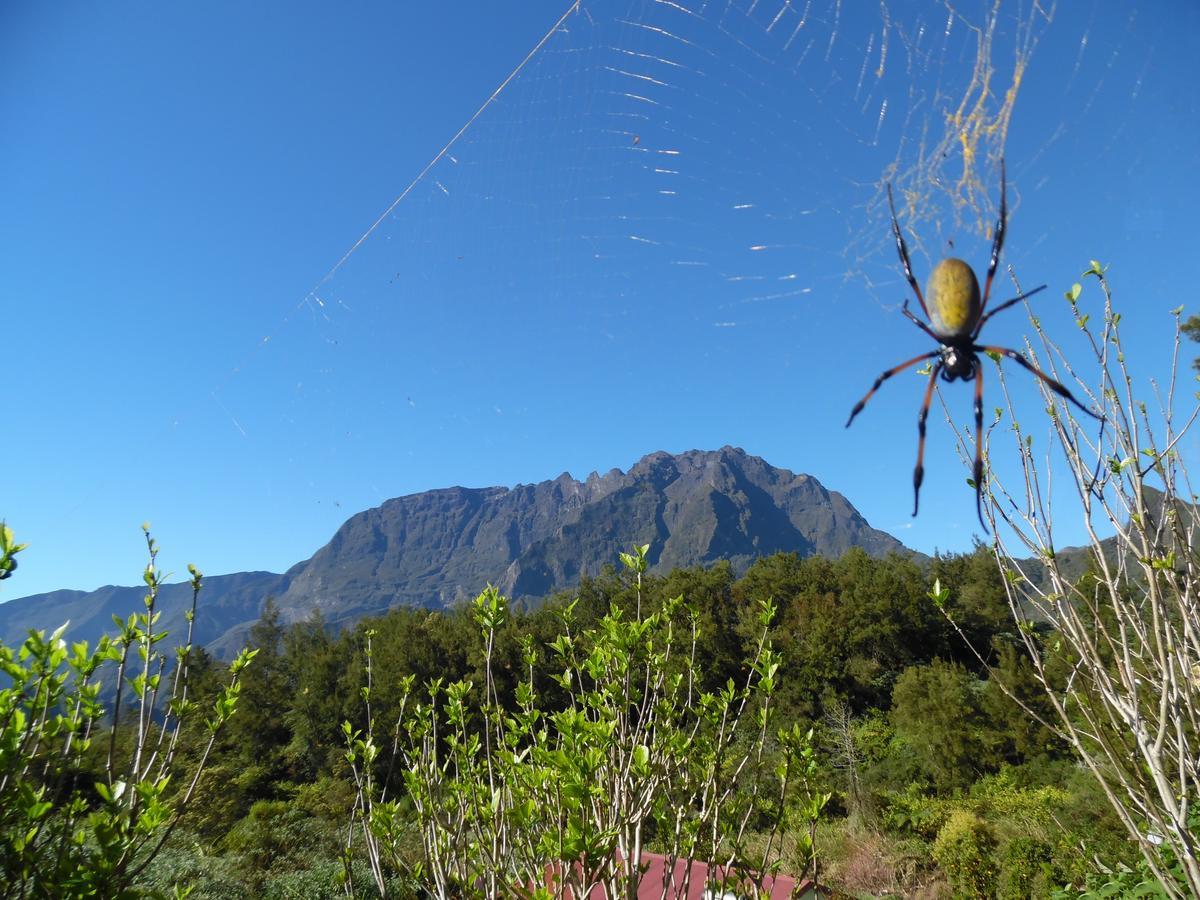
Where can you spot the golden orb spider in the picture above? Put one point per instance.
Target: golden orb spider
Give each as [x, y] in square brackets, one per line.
[956, 315]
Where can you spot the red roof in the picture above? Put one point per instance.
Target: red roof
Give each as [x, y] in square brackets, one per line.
[656, 878]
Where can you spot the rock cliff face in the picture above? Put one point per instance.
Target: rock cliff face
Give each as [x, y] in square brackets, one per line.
[440, 547]
[695, 508]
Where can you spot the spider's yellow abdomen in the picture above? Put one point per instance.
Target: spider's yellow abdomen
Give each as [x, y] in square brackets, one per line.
[952, 295]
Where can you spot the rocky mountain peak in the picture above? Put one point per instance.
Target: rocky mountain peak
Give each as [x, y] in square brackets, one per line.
[440, 547]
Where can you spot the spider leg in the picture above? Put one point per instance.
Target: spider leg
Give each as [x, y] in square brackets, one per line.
[884, 377]
[925, 328]
[998, 241]
[919, 471]
[1049, 382]
[977, 472]
[903, 249]
[1003, 306]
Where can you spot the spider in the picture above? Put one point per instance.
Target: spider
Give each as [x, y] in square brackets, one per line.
[956, 315]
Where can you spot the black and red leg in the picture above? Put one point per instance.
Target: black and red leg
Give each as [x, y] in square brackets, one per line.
[1003, 306]
[1055, 386]
[884, 377]
[998, 240]
[919, 471]
[902, 248]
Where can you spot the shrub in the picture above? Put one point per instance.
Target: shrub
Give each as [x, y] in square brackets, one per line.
[67, 832]
[636, 750]
[1023, 864]
[184, 862]
[965, 851]
[911, 812]
[276, 835]
[326, 881]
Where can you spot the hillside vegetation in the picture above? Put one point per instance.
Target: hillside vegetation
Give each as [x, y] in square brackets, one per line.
[937, 783]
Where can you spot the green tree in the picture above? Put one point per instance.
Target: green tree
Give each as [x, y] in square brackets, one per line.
[846, 628]
[318, 701]
[807, 593]
[888, 621]
[977, 601]
[937, 709]
[720, 647]
[253, 762]
[1021, 725]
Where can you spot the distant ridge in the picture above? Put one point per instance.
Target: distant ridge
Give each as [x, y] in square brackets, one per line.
[437, 548]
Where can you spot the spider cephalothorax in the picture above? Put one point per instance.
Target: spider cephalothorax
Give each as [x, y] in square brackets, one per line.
[957, 364]
[957, 313]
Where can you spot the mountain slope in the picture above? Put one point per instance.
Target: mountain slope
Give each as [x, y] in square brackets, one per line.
[224, 600]
[440, 547]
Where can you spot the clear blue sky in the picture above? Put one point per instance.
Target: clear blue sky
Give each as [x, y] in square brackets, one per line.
[665, 233]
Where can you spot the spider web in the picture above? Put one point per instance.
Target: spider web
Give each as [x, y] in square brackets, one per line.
[666, 229]
[659, 193]
[659, 163]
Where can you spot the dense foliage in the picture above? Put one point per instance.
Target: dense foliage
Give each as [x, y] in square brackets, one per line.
[101, 748]
[937, 778]
[563, 791]
[938, 782]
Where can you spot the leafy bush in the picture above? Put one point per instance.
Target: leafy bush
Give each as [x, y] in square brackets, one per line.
[184, 861]
[911, 813]
[632, 749]
[276, 836]
[965, 851]
[326, 881]
[66, 831]
[1023, 865]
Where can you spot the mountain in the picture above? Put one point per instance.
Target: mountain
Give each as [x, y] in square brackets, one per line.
[438, 548]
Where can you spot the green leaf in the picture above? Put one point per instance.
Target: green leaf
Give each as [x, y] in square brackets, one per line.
[641, 757]
[938, 594]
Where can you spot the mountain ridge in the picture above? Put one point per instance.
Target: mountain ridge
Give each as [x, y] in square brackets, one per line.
[438, 548]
